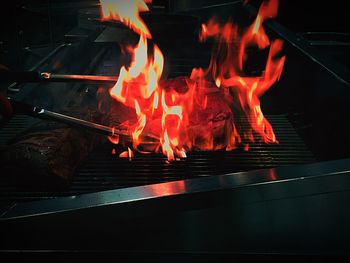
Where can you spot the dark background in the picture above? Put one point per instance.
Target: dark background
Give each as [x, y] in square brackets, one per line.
[303, 16]
[31, 24]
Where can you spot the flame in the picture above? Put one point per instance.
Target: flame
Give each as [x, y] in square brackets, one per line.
[127, 12]
[214, 108]
[114, 139]
[255, 34]
[226, 68]
[127, 154]
[141, 122]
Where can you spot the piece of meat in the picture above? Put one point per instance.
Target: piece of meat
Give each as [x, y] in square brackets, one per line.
[46, 155]
[209, 123]
[116, 113]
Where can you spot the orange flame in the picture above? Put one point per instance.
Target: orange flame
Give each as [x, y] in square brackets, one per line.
[226, 68]
[255, 34]
[127, 12]
[215, 108]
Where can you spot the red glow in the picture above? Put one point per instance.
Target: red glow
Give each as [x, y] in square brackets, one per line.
[272, 174]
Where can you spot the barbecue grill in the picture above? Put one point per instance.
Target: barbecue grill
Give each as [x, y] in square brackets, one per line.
[286, 198]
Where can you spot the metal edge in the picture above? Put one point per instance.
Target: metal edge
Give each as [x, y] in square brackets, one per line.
[176, 188]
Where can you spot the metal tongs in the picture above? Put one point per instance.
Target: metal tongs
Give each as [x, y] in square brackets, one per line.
[9, 107]
[16, 107]
[35, 76]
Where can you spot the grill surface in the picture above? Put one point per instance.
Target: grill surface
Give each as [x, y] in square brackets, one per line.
[104, 171]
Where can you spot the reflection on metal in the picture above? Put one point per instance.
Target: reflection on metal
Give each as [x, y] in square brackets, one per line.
[177, 187]
[208, 184]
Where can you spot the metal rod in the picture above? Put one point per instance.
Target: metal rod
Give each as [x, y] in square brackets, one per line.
[27, 109]
[46, 76]
[102, 129]
[13, 87]
[79, 123]
[35, 76]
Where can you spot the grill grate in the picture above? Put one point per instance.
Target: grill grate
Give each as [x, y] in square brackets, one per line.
[104, 171]
[16, 125]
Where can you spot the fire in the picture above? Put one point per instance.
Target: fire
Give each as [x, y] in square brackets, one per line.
[214, 108]
[243, 92]
[255, 34]
[126, 12]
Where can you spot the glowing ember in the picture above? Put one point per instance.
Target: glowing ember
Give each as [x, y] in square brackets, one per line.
[214, 108]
